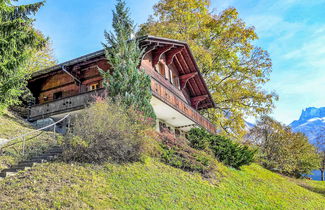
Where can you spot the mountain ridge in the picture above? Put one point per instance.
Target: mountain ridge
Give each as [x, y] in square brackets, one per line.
[312, 123]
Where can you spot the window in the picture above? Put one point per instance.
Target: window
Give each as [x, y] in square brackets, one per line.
[177, 132]
[162, 126]
[93, 86]
[57, 95]
[176, 82]
[174, 79]
[161, 69]
[171, 76]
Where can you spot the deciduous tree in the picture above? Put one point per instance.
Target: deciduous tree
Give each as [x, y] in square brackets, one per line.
[41, 59]
[234, 68]
[282, 150]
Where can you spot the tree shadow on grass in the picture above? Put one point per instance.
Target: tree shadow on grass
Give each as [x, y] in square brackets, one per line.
[313, 189]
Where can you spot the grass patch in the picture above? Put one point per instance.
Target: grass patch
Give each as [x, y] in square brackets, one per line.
[154, 185]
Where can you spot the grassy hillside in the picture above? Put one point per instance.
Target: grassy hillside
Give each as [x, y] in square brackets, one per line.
[12, 126]
[153, 185]
[156, 186]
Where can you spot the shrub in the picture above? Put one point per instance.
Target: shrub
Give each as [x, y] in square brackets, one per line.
[199, 139]
[177, 153]
[106, 131]
[230, 153]
[226, 151]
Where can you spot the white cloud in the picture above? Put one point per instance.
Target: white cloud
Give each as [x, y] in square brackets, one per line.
[296, 44]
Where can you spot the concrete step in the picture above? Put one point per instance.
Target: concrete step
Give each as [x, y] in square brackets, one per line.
[52, 152]
[29, 164]
[55, 150]
[40, 160]
[32, 161]
[45, 156]
[49, 155]
[15, 169]
[8, 173]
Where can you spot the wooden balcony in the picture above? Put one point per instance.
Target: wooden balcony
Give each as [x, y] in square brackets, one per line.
[64, 105]
[168, 96]
[80, 101]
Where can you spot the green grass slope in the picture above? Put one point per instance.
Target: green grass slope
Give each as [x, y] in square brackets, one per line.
[153, 185]
[12, 126]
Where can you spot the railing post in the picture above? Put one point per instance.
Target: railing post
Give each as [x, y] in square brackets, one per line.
[24, 142]
[69, 121]
[54, 132]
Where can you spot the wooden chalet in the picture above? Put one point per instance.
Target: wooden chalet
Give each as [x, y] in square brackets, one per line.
[178, 88]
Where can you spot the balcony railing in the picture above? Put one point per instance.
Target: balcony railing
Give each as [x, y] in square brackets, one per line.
[164, 94]
[81, 100]
[64, 105]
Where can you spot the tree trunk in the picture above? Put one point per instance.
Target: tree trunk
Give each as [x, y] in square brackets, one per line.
[322, 174]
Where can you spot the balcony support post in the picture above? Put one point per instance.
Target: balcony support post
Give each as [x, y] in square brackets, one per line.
[185, 78]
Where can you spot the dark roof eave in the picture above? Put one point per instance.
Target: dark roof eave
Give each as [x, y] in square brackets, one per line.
[68, 63]
[102, 52]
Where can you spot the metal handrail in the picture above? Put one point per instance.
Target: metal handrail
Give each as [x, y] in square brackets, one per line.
[32, 132]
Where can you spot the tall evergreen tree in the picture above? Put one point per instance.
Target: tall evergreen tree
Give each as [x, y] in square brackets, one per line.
[125, 80]
[18, 39]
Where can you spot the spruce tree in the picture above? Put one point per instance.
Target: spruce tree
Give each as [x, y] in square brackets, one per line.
[126, 81]
[18, 39]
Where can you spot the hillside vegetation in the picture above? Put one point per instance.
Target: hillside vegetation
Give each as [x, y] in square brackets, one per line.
[12, 126]
[153, 185]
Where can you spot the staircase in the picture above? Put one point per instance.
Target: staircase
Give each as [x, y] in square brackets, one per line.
[50, 155]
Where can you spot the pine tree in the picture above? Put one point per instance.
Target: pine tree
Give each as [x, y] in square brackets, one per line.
[126, 81]
[18, 39]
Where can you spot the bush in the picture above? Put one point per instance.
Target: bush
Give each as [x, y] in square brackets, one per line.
[230, 153]
[199, 139]
[177, 153]
[106, 131]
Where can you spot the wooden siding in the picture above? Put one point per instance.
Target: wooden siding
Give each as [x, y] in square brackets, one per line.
[181, 63]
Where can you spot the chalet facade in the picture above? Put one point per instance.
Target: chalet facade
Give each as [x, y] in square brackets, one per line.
[178, 88]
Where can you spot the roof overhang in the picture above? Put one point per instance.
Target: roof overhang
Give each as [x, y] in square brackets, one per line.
[197, 84]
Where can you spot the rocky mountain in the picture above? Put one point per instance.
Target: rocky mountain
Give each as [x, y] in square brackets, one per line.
[312, 124]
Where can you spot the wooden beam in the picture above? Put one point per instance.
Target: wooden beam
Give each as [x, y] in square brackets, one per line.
[75, 77]
[179, 66]
[171, 54]
[195, 87]
[203, 106]
[185, 78]
[148, 49]
[183, 63]
[158, 53]
[197, 99]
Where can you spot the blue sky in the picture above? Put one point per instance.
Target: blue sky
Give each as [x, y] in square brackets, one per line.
[293, 31]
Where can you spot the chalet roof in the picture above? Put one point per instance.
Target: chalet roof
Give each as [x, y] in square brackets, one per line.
[147, 41]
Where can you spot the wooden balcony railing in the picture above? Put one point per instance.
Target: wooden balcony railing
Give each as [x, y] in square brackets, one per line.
[164, 94]
[81, 100]
[64, 105]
